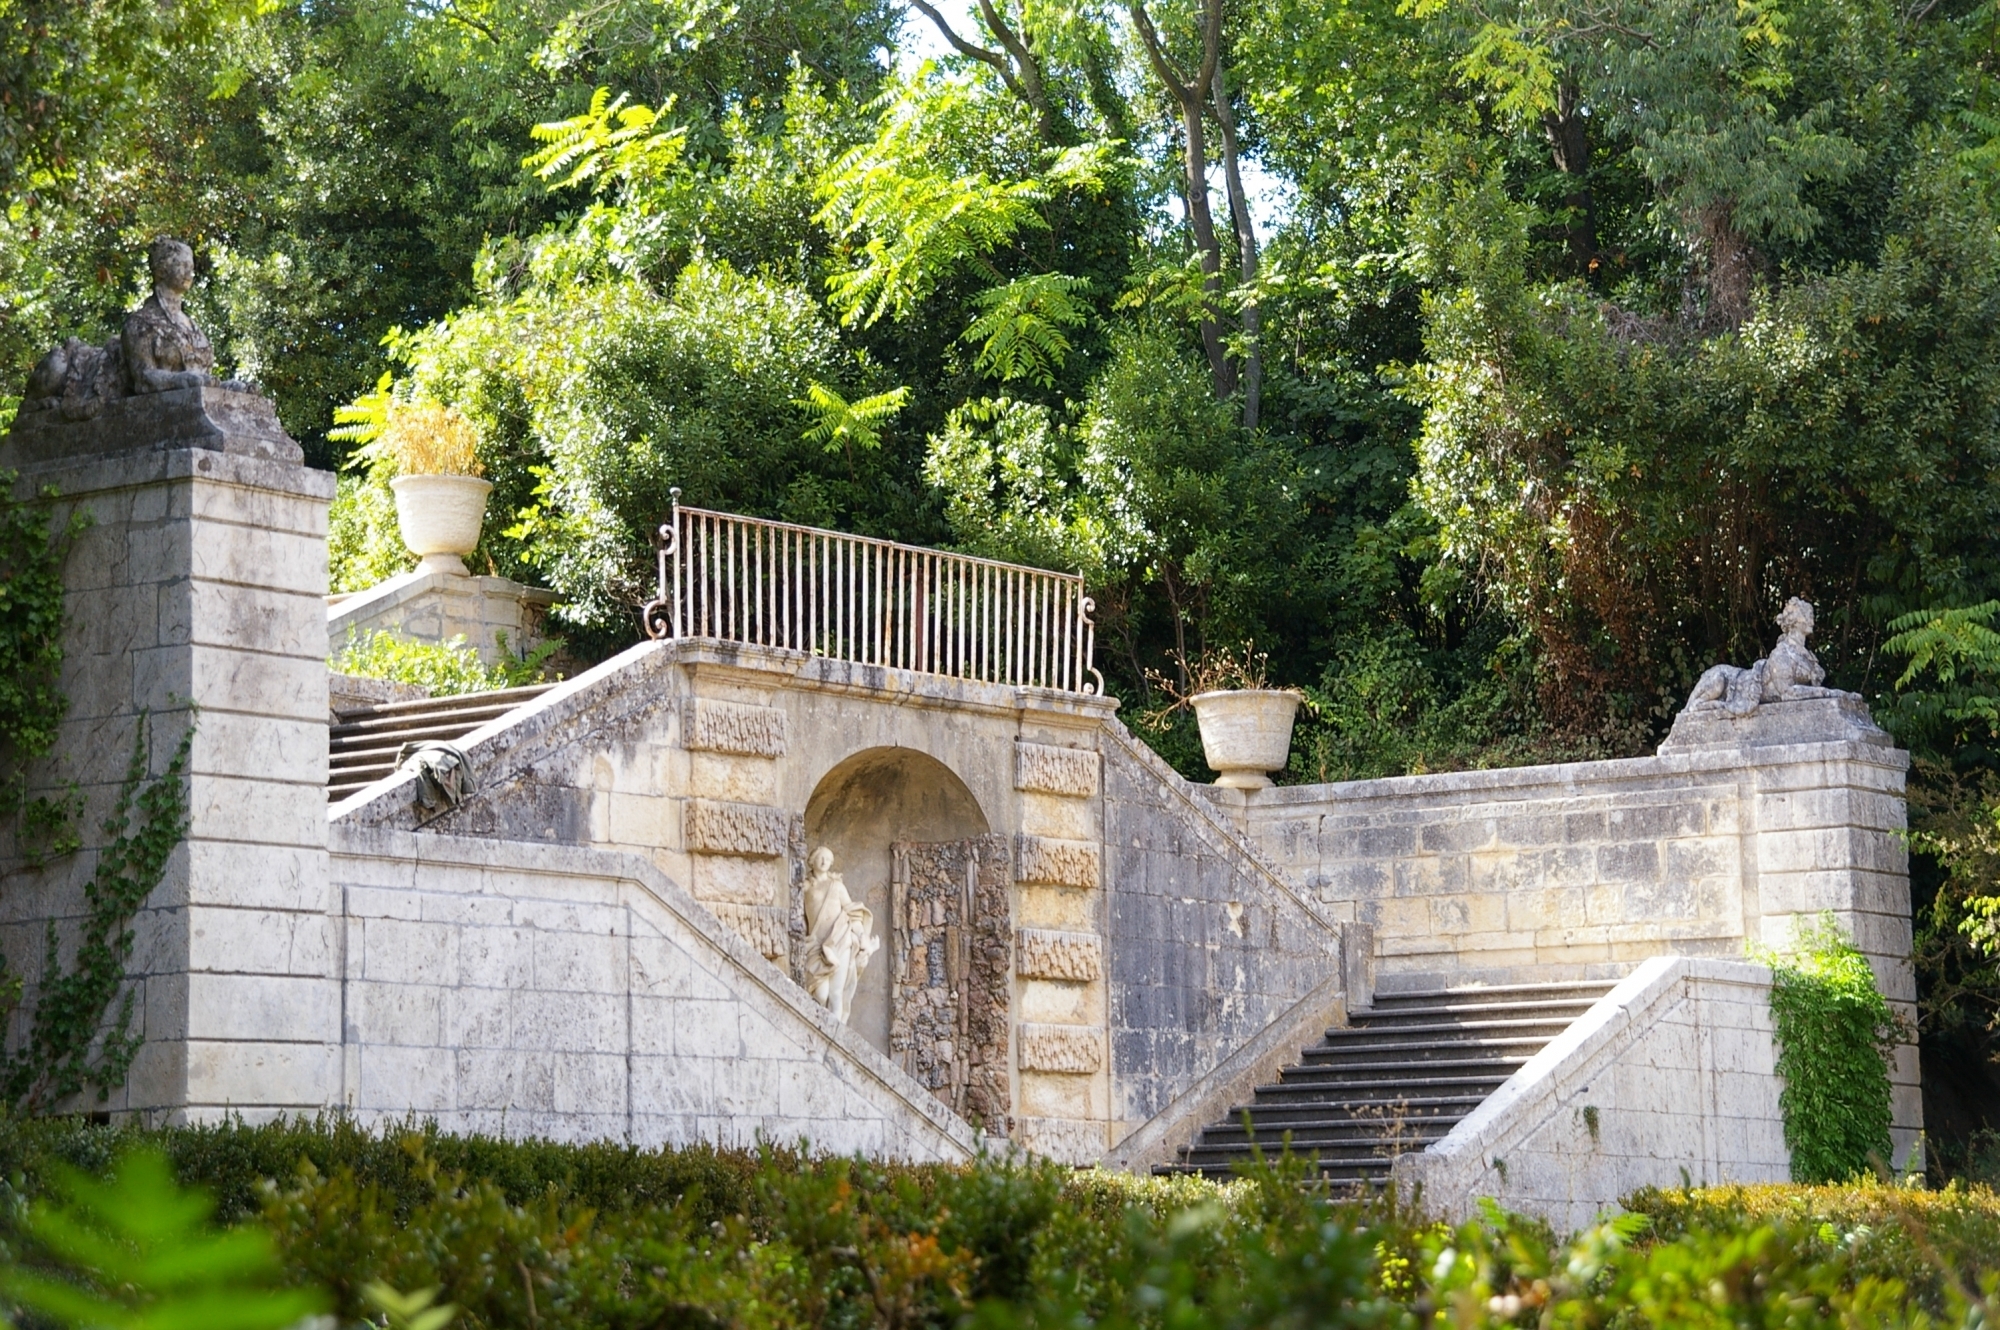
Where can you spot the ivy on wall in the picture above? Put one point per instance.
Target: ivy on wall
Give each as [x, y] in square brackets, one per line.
[1835, 1034]
[68, 1047]
[32, 704]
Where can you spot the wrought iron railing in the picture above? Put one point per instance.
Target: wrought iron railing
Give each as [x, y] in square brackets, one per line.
[874, 602]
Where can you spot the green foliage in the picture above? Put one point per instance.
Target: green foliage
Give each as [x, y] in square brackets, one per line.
[442, 668]
[1020, 326]
[609, 142]
[843, 426]
[69, 1048]
[1835, 1033]
[32, 706]
[135, 1252]
[507, 1233]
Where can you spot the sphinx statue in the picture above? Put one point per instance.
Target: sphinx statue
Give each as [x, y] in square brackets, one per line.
[1779, 699]
[1791, 673]
[160, 349]
[840, 938]
[151, 387]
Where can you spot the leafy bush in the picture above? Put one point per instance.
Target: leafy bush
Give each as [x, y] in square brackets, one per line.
[444, 668]
[364, 546]
[530, 1233]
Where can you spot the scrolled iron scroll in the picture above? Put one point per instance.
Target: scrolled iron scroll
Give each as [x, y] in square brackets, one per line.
[656, 616]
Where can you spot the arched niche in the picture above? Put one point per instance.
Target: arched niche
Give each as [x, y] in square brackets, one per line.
[874, 798]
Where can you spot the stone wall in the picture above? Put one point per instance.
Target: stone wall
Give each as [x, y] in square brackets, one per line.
[201, 580]
[578, 994]
[1208, 945]
[437, 607]
[1671, 1078]
[1583, 870]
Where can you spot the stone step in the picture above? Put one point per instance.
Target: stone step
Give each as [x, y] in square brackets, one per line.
[362, 748]
[1399, 1077]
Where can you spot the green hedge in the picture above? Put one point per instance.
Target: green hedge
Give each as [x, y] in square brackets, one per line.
[533, 1234]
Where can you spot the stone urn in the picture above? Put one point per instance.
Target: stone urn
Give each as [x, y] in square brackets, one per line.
[1246, 733]
[440, 517]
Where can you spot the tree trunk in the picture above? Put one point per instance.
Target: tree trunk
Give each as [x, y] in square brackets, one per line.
[1246, 251]
[1569, 145]
[1189, 95]
[1202, 219]
[1729, 267]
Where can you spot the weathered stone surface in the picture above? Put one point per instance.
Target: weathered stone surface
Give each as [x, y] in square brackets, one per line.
[1047, 953]
[715, 827]
[733, 727]
[1057, 863]
[1061, 1048]
[1065, 1140]
[762, 926]
[950, 981]
[1830, 719]
[212, 417]
[1047, 769]
[579, 994]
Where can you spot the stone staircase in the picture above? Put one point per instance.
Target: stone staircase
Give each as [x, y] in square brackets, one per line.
[1394, 1080]
[362, 747]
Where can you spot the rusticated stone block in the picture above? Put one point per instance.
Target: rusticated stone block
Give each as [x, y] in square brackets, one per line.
[749, 830]
[1065, 1140]
[1046, 861]
[762, 926]
[1047, 953]
[1064, 1048]
[1050, 770]
[733, 727]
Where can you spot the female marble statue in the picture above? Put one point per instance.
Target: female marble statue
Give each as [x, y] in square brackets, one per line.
[840, 937]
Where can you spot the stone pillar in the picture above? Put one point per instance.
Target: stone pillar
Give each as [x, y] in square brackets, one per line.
[1824, 817]
[201, 580]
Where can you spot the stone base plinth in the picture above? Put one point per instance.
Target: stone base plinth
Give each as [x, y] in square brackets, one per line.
[213, 417]
[1830, 718]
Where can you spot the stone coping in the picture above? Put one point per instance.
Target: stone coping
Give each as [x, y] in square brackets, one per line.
[71, 476]
[616, 866]
[1570, 778]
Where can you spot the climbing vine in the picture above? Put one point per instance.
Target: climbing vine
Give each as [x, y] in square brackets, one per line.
[58, 1059]
[68, 1046]
[1835, 1034]
[32, 704]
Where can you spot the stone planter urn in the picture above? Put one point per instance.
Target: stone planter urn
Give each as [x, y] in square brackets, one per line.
[440, 517]
[1246, 733]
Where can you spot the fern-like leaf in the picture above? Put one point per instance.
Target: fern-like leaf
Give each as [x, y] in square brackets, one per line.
[612, 140]
[1020, 326]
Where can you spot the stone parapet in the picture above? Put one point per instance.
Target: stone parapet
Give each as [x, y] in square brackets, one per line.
[1583, 870]
[1670, 1079]
[440, 607]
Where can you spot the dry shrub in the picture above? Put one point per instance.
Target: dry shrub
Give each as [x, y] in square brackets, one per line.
[428, 439]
